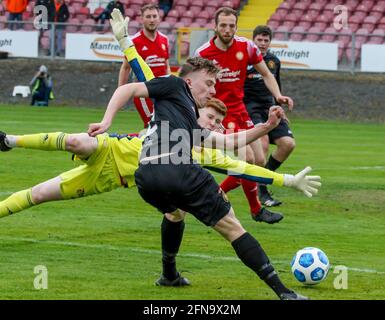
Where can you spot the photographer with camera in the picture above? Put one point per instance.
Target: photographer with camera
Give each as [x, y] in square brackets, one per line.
[41, 85]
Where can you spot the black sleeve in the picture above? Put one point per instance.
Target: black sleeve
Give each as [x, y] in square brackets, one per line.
[278, 75]
[66, 13]
[164, 87]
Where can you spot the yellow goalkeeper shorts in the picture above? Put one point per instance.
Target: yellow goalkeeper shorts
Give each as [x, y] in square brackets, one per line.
[99, 173]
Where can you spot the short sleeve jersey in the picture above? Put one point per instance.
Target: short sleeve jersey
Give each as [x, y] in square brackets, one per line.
[233, 63]
[255, 88]
[173, 127]
[154, 53]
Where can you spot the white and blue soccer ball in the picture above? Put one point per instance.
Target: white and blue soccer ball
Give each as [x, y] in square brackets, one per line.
[310, 265]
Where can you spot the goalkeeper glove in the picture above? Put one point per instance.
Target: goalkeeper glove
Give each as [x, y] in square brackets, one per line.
[120, 29]
[309, 185]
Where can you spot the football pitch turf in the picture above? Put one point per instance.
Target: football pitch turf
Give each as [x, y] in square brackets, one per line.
[108, 246]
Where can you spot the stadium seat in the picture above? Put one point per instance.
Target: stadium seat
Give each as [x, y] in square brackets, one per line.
[362, 35]
[369, 4]
[381, 23]
[172, 16]
[379, 8]
[351, 4]
[180, 9]
[133, 27]
[281, 33]
[87, 26]
[277, 17]
[377, 37]
[369, 23]
[328, 37]
[72, 27]
[313, 37]
[282, 11]
[164, 27]
[185, 3]
[344, 38]
[297, 33]
[83, 14]
[273, 24]
[316, 6]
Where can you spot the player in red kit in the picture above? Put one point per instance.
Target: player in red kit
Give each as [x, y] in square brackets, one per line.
[153, 47]
[233, 54]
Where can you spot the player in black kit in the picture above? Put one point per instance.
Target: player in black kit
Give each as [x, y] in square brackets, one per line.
[258, 100]
[167, 177]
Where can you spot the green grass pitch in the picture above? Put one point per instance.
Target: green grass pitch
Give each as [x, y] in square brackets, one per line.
[108, 246]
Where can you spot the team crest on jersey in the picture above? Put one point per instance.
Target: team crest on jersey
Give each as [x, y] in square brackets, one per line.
[271, 64]
[144, 48]
[239, 55]
[164, 47]
[231, 125]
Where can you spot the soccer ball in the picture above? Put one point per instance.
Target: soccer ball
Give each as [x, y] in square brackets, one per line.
[310, 265]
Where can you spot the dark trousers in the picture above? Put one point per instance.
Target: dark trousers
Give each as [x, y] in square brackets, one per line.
[14, 17]
[41, 97]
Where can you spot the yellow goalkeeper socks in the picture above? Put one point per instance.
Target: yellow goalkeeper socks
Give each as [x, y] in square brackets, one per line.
[43, 141]
[16, 202]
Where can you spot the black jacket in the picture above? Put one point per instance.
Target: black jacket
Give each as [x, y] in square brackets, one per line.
[62, 14]
[50, 5]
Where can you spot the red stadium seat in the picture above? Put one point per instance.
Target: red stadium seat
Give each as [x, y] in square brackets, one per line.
[379, 8]
[185, 3]
[316, 6]
[344, 38]
[164, 27]
[180, 9]
[369, 23]
[277, 17]
[297, 33]
[133, 27]
[281, 33]
[351, 4]
[368, 4]
[273, 24]
[72, 28]
[285, 5]
[313, 37]
[362, 35]
[328, 37]
[88, 26]
[377, 37]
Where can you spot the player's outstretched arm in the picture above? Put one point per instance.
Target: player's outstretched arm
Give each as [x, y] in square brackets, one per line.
[119, 26]
[309, 185]
[241, 139]
[272, 85]
[117, 102]
[216, 161]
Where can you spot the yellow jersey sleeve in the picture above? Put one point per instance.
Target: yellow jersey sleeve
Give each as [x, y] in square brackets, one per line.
[215, 160]
[140, 68]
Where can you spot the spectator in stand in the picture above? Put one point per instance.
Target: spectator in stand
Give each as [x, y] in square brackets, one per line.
[41, 85]
[15, 10]
[165, 5]
[51, 12]
[62, 14]
[106, 14]
[50, 5]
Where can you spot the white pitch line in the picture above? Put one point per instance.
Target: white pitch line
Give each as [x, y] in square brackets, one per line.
[152, 252]
[368, 168]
